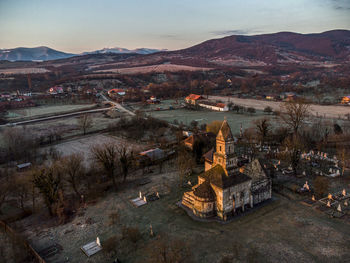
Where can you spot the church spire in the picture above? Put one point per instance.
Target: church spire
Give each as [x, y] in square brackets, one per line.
[225, 131]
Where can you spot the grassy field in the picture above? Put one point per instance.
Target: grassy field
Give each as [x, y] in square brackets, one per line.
[279, 231]
[205, 116]
[46, 110]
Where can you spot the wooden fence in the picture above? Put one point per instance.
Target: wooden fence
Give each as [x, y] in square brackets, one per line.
[13, 235]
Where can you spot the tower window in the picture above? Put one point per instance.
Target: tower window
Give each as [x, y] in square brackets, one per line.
[220, 148]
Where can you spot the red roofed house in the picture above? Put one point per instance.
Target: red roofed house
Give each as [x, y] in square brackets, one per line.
[346, 100]
[119, 92]
[193, 99]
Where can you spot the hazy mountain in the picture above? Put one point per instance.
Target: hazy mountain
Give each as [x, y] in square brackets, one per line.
[118, 50]
[46, 53]
[29, 54]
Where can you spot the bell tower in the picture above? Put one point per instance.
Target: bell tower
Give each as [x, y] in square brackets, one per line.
[224, 154]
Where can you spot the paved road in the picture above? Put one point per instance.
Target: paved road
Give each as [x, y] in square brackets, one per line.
[117, 105]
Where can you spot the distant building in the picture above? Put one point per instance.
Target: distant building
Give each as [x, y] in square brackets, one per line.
[153, 100]
[154, 154]
[119, 92]
[56, 90]
[271, 97]
[288, 96]
[346, 100]
[213, 106]
[193, 99]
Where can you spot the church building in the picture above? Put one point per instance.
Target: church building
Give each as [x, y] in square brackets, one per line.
[226, 187]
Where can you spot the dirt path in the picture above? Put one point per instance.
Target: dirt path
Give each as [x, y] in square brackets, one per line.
[317, 110]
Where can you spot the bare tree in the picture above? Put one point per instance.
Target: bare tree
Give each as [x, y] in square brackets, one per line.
[294, 114]
[343, 156]
[22, 187]
[295, 147]
[48, 181]
[126, 158]
[106, 156]
[85, 122]
[263, 128]
[185, 163]
[73, 169]
[214, 127]
[19, 143]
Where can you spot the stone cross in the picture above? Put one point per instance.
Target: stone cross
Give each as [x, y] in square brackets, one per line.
[98, 241]
[145, 199]
[140, 195]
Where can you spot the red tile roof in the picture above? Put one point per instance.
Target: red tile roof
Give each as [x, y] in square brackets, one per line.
[193, 97]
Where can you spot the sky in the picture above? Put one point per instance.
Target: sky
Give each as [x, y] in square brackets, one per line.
[85, 25]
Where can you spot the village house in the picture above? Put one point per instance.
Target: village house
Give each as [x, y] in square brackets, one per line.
[119, 92]
[153, 100]
[56, 90]
[193, 99]
[225, 187]
[346, 100]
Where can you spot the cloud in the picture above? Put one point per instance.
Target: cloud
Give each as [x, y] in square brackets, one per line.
[235, 32]
[341, 4]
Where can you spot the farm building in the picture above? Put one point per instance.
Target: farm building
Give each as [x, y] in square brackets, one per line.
[193, 99]
[213, 106]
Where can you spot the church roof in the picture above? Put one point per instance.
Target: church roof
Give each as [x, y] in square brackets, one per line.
[208, 156]
[218, 177]
[204, 190]
[255, 170]
[225, 131]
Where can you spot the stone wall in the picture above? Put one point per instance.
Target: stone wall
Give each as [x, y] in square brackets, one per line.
[261, 191]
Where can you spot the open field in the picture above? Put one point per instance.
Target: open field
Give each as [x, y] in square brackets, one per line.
[279, 231]
[205, 116]
[65, 127]
[317, 110]
[155, 69]
[84, 144]
[11, 71]
[46, 110]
